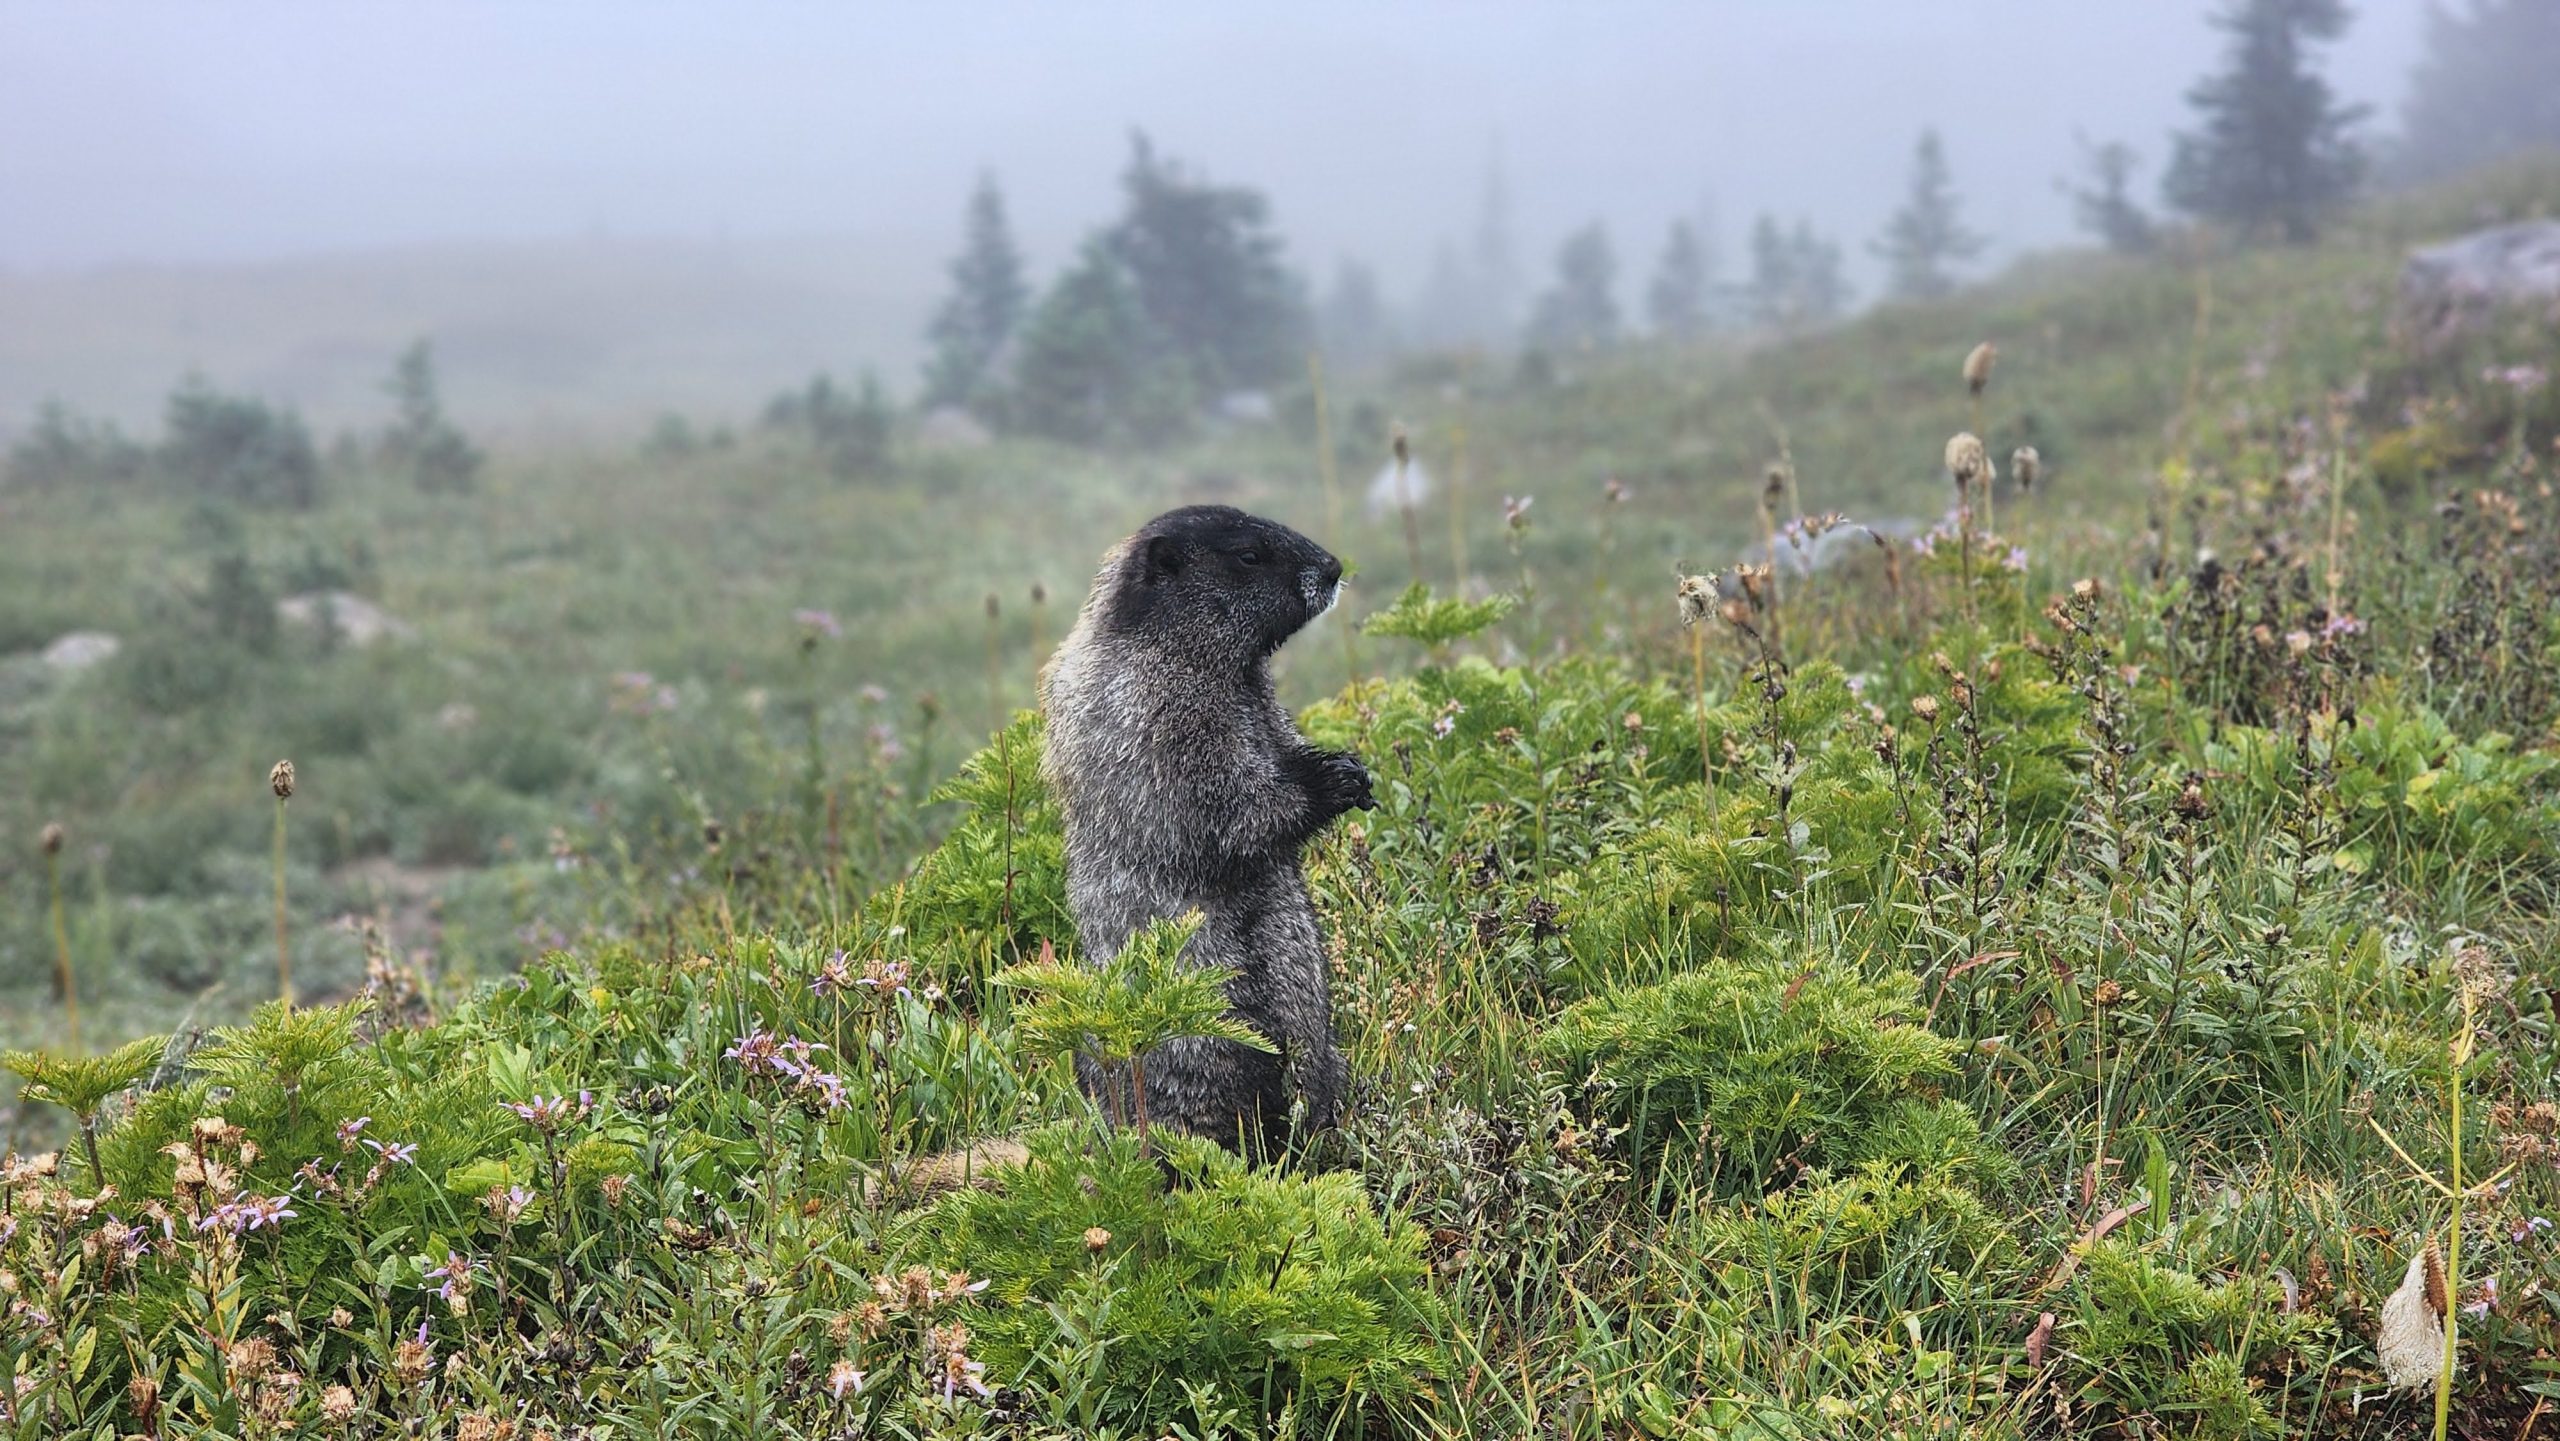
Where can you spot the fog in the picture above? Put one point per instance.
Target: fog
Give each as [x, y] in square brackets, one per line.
[189, 136]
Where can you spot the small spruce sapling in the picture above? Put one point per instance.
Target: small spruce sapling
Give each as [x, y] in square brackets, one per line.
[1112, 1013]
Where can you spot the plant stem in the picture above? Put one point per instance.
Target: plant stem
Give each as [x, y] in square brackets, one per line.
[62, 949]
[284, 951]
[2459, 1055]
[1332, 504]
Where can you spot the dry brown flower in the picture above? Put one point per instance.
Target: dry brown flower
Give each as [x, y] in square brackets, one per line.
[280, 780]
[1977, 366]
[1965, 458]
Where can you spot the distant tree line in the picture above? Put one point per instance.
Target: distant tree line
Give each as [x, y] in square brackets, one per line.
[244, 450]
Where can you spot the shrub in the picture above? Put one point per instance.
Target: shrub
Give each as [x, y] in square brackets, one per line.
[1117, 1279]
[239, 449]
[1752, 1062]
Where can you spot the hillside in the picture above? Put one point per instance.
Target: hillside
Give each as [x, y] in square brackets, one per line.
[553, 340]
[2056, 975]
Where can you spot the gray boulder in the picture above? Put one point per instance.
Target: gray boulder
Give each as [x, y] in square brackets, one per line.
[2447, 288]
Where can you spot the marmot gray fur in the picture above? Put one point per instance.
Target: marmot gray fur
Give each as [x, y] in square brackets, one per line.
[1185, 786]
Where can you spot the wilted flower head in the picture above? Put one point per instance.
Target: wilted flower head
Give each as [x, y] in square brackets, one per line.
[817, 624]
[1615, 489]
[2026, 465]
[2410, 1339]
[843, 1380]
[1515, 511]
[50, 838]
[1697, 595]
[348, 1130]
[1977, 366]
[1965, 458]
[280, 780]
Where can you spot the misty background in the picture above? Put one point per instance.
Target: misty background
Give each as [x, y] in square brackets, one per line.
[600, 212]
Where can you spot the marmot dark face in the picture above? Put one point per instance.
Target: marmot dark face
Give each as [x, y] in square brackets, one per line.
[1216, 576]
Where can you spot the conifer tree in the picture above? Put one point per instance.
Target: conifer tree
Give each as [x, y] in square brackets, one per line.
[1926, 238]
[2271, 151]
[988, 299]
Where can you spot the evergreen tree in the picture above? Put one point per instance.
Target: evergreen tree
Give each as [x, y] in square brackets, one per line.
[2272, 149]
[435, 454]
[2104, 205]
[1925, 237]
[1093, 370]
[2482, 90]
[1353, 323]
[1581, 308]
[1774, 285]
[1822, 287]
[1676, 302]
[1206, 267]
[1497, 269]
[986, 304]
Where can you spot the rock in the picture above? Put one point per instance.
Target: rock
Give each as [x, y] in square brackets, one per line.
[80, 649]
[359, 621]
[1246, 407]
[2445, 289]
[948, 427]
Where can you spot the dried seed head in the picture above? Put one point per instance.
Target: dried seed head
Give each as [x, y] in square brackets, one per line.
[51, 838]
[1095, 1238]
[1926, 708]
[2026, 465]
[1697, 593]
[280, 780]
[1977, 366]
[2410, 1339]
[1773, 486]
[1039, 593]
[1402, 446]
[1965, 458]
[994, 607]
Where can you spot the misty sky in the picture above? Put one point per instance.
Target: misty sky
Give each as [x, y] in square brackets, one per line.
[241, 131]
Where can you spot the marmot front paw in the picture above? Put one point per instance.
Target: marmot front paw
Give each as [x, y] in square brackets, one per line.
[1342, 784]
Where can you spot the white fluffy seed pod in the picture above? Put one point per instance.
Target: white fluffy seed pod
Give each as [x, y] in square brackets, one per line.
[2410, 1339]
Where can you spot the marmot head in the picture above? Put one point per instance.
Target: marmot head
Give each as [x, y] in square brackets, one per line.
[1219, 578]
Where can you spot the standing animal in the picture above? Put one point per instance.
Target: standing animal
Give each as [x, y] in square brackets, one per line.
[1184, 786]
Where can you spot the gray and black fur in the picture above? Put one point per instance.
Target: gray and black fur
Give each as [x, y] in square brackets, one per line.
[1185, 786]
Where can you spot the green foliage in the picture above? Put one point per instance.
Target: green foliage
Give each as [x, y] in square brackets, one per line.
[1256, 1282]
[61, 451]
[2147, 1336]
[1436, 623]
[1749, 1062]
[1926, 237]
[2271, 149]
[1204, 266]
[1114, 1011]
[985, 307]
[850, 435]
[1881, 1240]
[1580, 312]
[1093, 369]
[83, 1084]
[234, 448]
[422, 443]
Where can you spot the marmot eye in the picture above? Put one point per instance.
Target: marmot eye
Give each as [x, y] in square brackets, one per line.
[1250, 557]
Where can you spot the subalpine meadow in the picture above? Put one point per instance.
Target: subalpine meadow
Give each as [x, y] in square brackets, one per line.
[2055, 968]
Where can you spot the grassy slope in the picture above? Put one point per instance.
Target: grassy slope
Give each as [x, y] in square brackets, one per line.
[1700, 1123]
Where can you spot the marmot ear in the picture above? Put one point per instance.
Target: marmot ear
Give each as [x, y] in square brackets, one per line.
[1164, 557]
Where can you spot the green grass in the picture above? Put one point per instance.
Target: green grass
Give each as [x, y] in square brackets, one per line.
[2010, 1009]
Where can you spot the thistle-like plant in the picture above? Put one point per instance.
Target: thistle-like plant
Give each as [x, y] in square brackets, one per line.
[1113, 1012]
[83, 1085]
[1436, 623]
